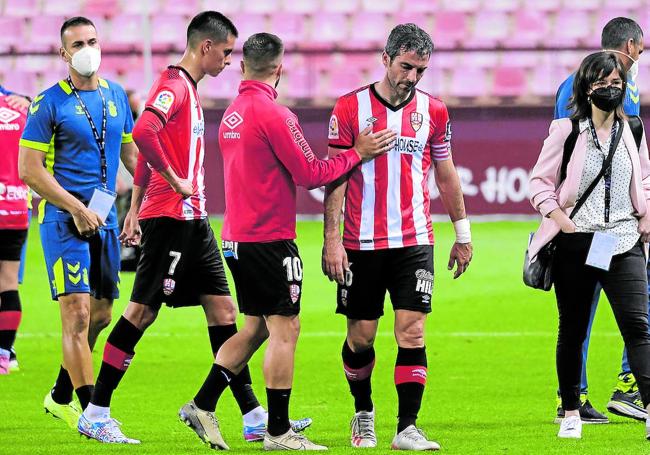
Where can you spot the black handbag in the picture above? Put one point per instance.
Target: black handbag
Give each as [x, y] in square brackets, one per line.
[539, 273]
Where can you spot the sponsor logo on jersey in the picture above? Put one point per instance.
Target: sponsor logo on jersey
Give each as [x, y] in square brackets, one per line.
[333, 128]
[294, 292]
[408, 145]
[199, 128]
[424, 281]
[164, 101]
[112, 109]
[168, 286]
[299, 139]
[12, 193]
[416, 121]
[6, 117]
[233, 120]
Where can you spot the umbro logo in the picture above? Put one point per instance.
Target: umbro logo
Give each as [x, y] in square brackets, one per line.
[8, 115]
[233, 120]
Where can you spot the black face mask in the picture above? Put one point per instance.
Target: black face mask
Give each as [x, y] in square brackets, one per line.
[607, 98]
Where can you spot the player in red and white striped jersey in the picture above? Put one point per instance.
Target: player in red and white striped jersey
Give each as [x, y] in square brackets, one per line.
[180, 262]
[388, 239]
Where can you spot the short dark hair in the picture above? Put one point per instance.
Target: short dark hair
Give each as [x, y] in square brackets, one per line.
[407, 38]
[74, 22]
[594, 67]
[619, 31]
[261, 51]
[210, 25]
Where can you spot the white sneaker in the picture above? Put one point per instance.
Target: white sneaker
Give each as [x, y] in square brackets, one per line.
[290, 441]
[362, 428]
[647, 429]
[412, 438]
[570, 427]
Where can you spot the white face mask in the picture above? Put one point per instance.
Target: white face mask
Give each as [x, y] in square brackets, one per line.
[86, 60]
[633, 72]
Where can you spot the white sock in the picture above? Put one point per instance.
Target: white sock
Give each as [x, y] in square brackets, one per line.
[95, 413]
[255, 417]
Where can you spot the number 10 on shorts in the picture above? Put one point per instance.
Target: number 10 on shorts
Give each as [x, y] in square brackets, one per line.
[294, 268]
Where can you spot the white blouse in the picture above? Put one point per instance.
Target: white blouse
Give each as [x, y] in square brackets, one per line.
[591, 216]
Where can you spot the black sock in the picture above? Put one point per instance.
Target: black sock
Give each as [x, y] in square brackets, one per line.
[84, 393]
[410, 378]
[214, 385]
[10, 315]
[118, 353]
[62, 390]
[358, 370]
[278, 400]
[240, 385]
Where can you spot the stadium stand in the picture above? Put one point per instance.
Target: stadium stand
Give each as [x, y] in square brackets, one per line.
[519, 49]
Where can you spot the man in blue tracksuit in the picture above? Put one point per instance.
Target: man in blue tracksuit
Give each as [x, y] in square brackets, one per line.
[625, 37]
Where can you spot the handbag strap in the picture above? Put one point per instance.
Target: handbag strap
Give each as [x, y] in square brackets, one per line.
[606, 164]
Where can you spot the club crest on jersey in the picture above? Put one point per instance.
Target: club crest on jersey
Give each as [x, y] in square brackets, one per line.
[164, 101]
[168, 286]
[416, 121]
[112, 109]
[333, 128]
[294, 292]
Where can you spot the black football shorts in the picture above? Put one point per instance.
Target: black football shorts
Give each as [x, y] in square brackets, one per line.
[406, 273]
[268, 276]
[179, 262]
[11, 243]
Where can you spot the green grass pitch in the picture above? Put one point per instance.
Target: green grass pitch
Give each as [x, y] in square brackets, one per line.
[491, 344]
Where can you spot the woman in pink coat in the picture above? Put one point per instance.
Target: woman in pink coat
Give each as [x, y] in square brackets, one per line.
[602, 242]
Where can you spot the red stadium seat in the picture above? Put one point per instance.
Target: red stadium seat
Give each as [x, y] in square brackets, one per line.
[328, 30]
[545, 80]
[182, 7]
[22, 82]
[509, 81]
[586, 5]
[468, 82]
[380, 6]
[229, 8]
[490, 29]
[421, 19]
[421, 6]
[368, 30]
[140, 6]
[12, 31]
[569, 28]
[56, 7]
[168, 32]
[224, 87]
[21, 8]
[44, 34]
[267, 6]
[302, 6]
[450, 29]
[460, 5]
[248, 24]
[104, 8]
[125, 33]
[298, 78]
[530, 29]
[290, 27]
[546, 5]
[341, 6]
[501, 5]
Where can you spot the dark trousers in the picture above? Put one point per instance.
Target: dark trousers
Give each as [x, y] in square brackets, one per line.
[625, 285]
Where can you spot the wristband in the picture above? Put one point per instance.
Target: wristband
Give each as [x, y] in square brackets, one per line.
[463, 233]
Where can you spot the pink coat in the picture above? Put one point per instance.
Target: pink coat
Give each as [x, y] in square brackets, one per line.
[546, 196]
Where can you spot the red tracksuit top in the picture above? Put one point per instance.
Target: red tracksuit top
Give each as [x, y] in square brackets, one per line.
[265, 156]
